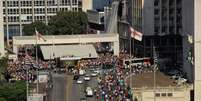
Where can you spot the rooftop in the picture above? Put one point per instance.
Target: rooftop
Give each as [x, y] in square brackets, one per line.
[147, 80]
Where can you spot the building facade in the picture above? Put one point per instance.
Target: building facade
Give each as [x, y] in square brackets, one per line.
[157, 17]
[17, 13]
[192, 43]
[162, 94]
[160, 21]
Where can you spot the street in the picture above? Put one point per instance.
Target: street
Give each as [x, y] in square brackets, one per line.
[58, 93]
[65, 89]
[78, 90]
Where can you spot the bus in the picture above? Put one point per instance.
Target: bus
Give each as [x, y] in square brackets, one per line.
[137, 61]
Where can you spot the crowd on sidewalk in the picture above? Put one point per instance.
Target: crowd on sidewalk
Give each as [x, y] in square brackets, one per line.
[17, 69]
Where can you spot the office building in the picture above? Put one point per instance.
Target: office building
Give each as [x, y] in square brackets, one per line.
[173, 26]
[192, 43]
[20, 12]
[160, 21]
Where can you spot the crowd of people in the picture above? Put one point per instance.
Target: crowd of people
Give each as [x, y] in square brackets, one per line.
[17, 69]
[112, 87]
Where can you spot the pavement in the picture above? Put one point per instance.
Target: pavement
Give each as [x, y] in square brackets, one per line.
[58, 92]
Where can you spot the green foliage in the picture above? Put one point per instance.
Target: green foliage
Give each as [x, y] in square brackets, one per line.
[68, 23]
[13, 91]
[3, 65]
[30, 28]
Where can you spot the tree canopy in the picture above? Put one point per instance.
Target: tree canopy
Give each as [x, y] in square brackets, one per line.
[68, 23]
[30, 28]
[3, 66]
[13, 91]
[64, 23]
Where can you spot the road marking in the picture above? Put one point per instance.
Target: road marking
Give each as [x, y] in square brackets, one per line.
[69, 87]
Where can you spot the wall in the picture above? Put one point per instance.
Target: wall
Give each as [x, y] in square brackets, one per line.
[178, 94]
[87, 5]
[148, 17]
[1, 30]
[188, 30]
[99, 4]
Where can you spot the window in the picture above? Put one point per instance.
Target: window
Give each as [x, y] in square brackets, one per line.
[156, 2]
[163, 94]
[4, 4]
[74, 2]
[156, 11]
[26, 3]
[39, 3]
[157, 94]
[39, 10]
[169, 94]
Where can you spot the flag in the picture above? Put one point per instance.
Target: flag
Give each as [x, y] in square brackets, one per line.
[155, 57]
[39, 36]
[135, 34]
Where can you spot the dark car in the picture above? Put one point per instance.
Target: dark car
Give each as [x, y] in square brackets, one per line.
[76, 77]
[83, 99]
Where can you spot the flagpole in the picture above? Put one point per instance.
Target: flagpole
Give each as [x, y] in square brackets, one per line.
[37, 88]
[130, 60]
[155, 66]
[27, 82]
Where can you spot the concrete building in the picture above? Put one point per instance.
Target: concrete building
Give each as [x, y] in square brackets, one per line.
[192, 43]
[173, 24]
[157, 17]
[1, 31]
[86, 5]
[112, 38]
[162, 88]
[160, 21]
[17, 13]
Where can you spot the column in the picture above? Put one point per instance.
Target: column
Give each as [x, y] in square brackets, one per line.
[1, 30]
[197, 50]
[116, 48]
[15, 49]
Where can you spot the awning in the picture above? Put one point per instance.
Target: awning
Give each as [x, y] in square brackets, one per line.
[60, 51]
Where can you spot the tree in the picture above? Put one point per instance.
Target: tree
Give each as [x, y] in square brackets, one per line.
[30, 28]
[13, 91]
[68, 23]
[3, 66]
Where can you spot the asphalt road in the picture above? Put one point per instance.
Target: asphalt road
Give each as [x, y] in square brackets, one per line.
[58, 92]
[77, 91]
[65, 89]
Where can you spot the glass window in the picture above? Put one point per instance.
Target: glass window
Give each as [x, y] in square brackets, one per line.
[157, 94]
[170, 94]
[163, 94]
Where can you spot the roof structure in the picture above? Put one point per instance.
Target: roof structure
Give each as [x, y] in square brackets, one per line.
[58, 51]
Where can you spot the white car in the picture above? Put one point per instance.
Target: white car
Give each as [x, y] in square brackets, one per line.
[94, 74]
[89, 91]
[97, 71]
[79, 81]
[87, 78]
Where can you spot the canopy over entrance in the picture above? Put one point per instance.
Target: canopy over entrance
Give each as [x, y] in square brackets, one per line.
[68, 51]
